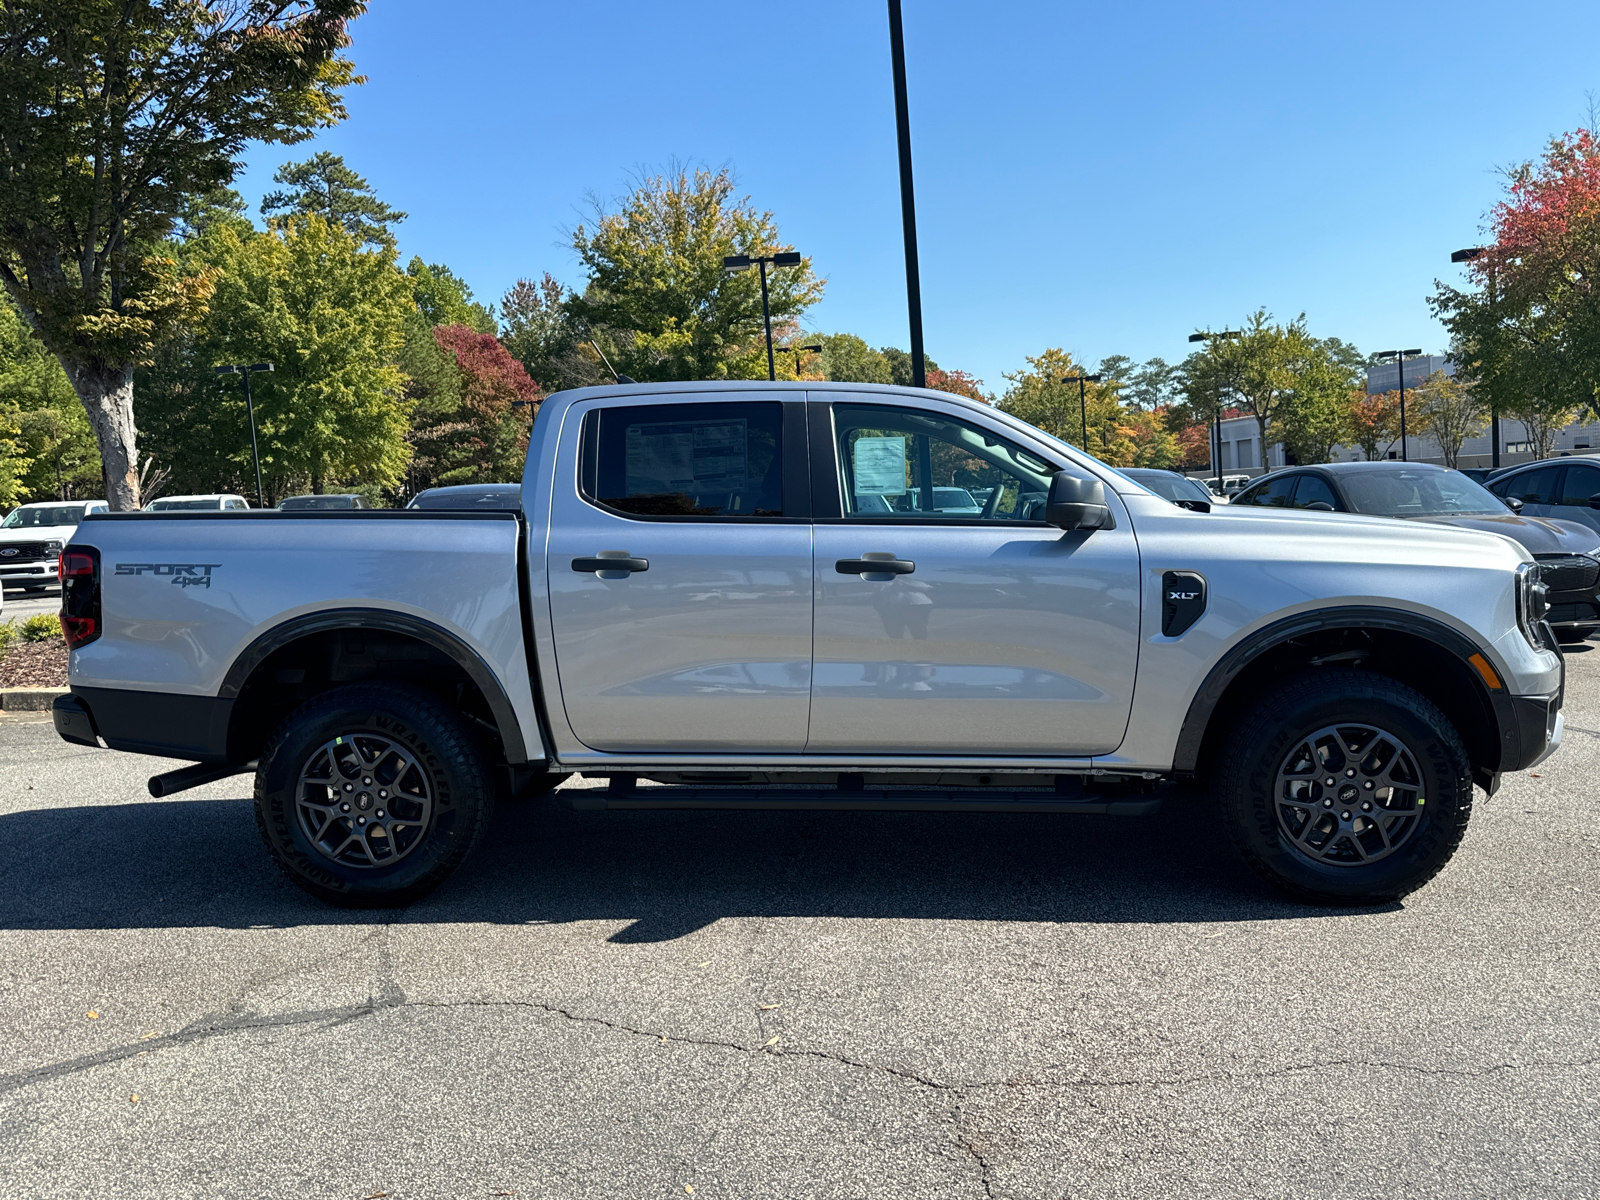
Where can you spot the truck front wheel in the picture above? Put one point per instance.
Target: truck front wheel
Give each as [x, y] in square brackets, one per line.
[1343, 787]
[371, 795]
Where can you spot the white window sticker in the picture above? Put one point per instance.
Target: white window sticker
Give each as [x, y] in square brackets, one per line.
[879, 465]
[687, 456]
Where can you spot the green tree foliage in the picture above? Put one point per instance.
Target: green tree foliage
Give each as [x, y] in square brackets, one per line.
[53, 451]
[900, 365]
[542, 334]
[114, 113]
[1373, 422]
[443, 298]
[13, 462]
[657, 289]
[1118, 435]
[848, 359]
[334, 319]
[325, 186]
[1447, 408]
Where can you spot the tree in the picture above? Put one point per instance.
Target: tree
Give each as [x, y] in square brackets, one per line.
[1450, 412]
[900, 365]
[1374, 421]
[325, 186]
[489, 438]
[848, 359]
[48, 426]
[1118, 435]
[959, 382]
[443, 298]
[332, 317]
[13, 463]
[115, 113]
[542, 334]
[657, 289]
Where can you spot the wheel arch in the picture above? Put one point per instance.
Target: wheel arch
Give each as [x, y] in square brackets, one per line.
[1420, 651]
[322, 636]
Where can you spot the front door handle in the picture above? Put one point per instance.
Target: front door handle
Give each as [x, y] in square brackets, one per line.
[608, 561]
[873, 563]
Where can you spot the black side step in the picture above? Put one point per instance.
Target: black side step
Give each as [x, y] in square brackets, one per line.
[909, 799]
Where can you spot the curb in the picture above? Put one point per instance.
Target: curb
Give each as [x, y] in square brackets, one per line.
[29, 699]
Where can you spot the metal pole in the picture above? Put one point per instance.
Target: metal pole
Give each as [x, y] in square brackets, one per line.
[1083, 408]
[908, 204]
[766, 317]
[255, 450]
[1494, 408]
[1400, 361]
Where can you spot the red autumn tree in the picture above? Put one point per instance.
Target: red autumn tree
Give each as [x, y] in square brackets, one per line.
[488, 438]
[959, 382]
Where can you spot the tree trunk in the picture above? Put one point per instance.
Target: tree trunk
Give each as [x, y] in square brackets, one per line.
[107, 396]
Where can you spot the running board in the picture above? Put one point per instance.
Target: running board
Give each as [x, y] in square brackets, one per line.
[793, 799]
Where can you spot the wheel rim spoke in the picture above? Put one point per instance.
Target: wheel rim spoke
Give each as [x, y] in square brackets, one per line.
[1348, 795]
[346, 783]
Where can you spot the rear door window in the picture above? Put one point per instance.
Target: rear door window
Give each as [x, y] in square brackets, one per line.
[1273, 492]
[686, 460]
[1314, 489]
[1531, 487]
[1579, 485]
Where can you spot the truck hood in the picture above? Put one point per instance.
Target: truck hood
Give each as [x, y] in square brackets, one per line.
[38, 533]
[1537, 535]
[1376, 538]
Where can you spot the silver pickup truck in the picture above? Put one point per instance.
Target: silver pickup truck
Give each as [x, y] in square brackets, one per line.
[758, 595]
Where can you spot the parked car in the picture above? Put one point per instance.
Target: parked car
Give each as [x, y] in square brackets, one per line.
[1568, 554]
[1479, 474]
[324, 503]
[691, 595]
[1565, 488]
[219, 502]
[1179, 489]
[1228, 486]
[471, 497]
[31, 538]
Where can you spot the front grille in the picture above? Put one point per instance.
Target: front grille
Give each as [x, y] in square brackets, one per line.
[1568, 572]
[25, 552]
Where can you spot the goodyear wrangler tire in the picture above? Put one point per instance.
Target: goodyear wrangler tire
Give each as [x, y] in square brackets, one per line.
[371, 795]
[1344, 787]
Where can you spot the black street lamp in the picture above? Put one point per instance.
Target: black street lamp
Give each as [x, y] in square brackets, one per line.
[1464, 256]
[1083, 402]
[1400, 357]
[743, 262]
[1216, 448]
[249, 404]
[797, 350]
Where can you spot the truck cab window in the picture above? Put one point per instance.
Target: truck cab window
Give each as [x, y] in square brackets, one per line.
[902, 463]
[685, 460]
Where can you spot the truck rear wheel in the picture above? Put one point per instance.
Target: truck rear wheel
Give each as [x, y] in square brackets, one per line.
[1344, 787]
[371, 795]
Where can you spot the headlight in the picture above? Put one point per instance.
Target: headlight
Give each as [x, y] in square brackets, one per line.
[1533, 603]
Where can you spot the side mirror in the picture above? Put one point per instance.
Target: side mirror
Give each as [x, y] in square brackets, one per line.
[1319, 506]
[1076, 503]
[1594, 500]
[1512, 503]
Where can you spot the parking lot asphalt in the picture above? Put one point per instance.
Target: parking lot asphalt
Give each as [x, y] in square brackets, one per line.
[789, 1005]
[20, 605]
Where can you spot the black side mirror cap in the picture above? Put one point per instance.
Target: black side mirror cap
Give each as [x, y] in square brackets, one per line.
[1076, 503]
[1512, 503]
[1194, 505]
[1594, 500]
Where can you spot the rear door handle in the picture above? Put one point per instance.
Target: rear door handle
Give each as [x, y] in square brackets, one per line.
[611, 560]
[875, 564]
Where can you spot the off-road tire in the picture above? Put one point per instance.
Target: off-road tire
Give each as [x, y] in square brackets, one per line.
[443, 748]
[1247, 776]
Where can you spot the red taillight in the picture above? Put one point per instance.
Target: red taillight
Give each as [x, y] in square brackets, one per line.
[79, 570]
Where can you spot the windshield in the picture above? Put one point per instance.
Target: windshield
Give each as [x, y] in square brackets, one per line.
[1173, 487]
[295, 503]
[40, 518]
[183, 505]
[510, 500]
[1418, 494]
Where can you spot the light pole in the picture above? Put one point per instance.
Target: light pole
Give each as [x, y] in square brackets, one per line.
[1216, 452]
[1400, 357]
[797, 350]
[1083, 402]
[249, 405]
[1467, 255]
[908, 203]
[743, 262]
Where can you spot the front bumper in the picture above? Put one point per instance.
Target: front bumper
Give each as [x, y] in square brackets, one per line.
[31, 574]
[1530, 730]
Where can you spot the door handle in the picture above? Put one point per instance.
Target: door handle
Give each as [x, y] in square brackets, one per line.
[611, 560]
[875, 564]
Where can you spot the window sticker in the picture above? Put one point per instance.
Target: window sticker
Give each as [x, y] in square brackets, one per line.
[687, 456]
[879, 465]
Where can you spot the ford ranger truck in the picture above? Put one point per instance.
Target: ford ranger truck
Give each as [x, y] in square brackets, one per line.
[748, 595]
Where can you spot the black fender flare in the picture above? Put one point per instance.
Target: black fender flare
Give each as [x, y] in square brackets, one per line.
[436, 636]
[1186, 755]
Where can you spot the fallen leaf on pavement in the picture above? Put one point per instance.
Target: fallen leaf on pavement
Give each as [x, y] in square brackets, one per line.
[377, 1196]
[133, 1099]
[773, 1040]
[688, 1189]
[770, 1007]
[92, 1015]
[145, 1037]
[502, 1192]
[704, 964]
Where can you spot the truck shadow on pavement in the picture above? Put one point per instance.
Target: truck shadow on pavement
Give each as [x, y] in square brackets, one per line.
[177, 863]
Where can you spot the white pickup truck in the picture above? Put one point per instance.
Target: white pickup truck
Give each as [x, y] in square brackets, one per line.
[747, 594]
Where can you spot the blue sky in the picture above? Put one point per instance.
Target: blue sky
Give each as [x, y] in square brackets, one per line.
[1106, 178]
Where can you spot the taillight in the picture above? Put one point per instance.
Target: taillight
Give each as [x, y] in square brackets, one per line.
[79, 571]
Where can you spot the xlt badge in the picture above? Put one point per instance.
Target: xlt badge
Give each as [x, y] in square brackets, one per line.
[1183, 600]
